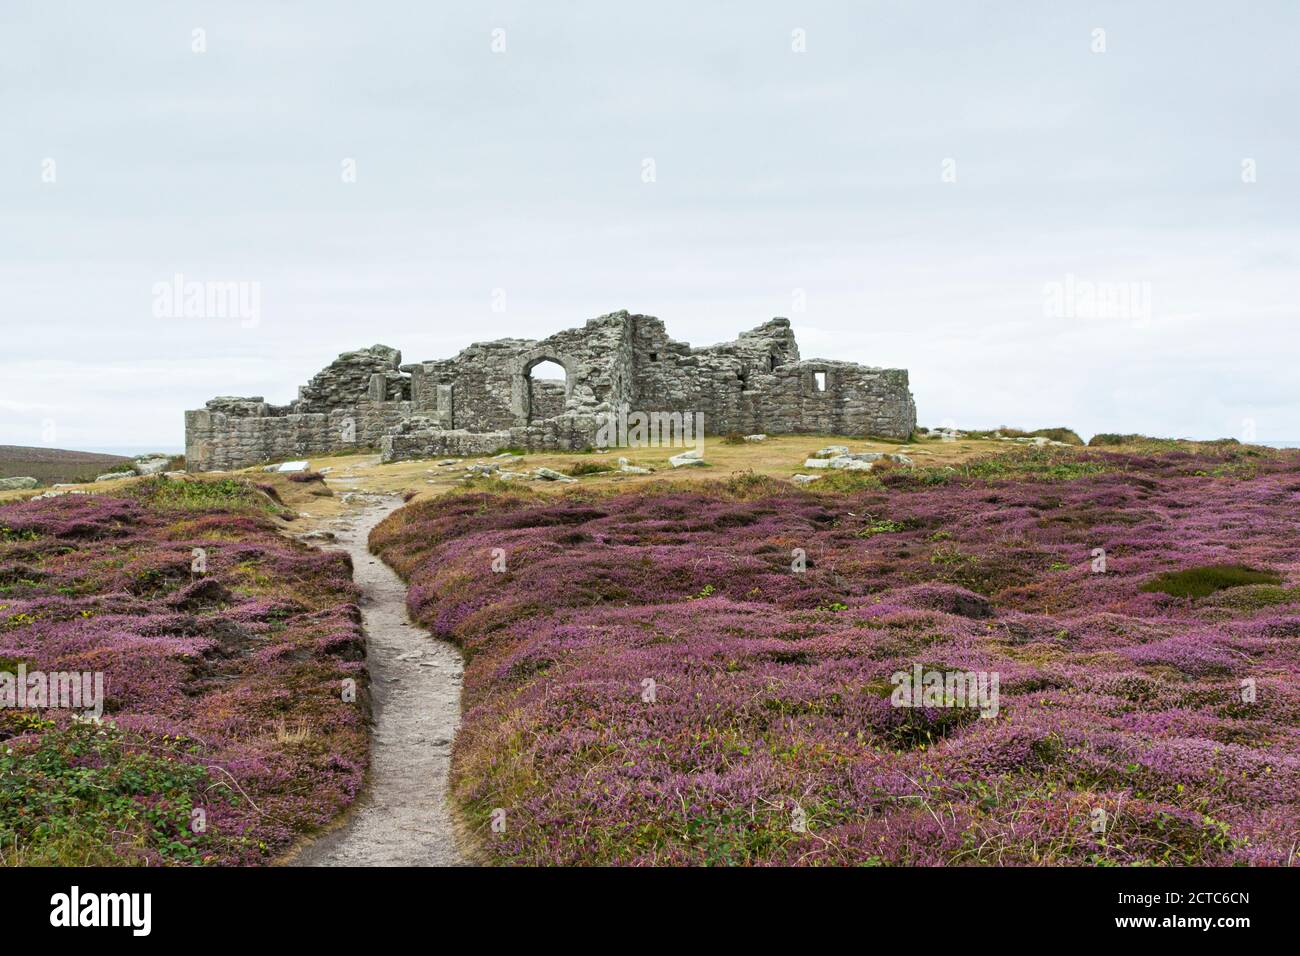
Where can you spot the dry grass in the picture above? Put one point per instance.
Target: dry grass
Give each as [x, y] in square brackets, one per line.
[284, 734]
[780, 457]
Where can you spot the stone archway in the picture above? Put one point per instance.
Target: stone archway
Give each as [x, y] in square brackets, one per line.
[521, 382]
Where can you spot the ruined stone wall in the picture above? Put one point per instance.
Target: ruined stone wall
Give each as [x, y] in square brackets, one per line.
[485, 397]
[350, 404]
[488, 386]
[759, 384]
[372, 373]
[475, 386]
[422, 438]
[222, 440]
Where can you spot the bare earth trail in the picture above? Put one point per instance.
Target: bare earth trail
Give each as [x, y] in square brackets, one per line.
[401, 819]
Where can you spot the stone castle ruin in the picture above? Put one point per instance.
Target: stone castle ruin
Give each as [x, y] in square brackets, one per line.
[487, 398]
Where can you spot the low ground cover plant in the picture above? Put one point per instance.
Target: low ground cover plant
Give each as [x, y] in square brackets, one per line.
[706, 673]
[223, 648]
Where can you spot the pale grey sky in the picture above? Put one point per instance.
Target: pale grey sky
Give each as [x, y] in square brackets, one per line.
[808, 184]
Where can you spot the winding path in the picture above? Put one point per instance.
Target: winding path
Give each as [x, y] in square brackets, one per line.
[401, 819]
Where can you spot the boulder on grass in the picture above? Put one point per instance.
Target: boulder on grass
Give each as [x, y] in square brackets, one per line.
[848, 463]
[150, 465]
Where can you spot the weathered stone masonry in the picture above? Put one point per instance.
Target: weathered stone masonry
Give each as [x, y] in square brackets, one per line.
[486, 398]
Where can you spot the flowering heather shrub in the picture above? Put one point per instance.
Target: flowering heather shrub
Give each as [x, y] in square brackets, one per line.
[223, 689]
[771, 694]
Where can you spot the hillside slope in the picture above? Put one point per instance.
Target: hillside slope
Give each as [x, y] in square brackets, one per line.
[50, 465]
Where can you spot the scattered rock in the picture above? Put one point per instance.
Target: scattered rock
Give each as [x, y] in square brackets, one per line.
[830, 451]
[687, 459]
[316, 536]
[115, 475]
[288, 466]
[150, 466]
[817, 463]
[549, 474]
[755, 438]
[805, 479]
[847, 463]
[18, 483]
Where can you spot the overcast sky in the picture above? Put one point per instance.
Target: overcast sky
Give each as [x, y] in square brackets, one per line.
[802, 163]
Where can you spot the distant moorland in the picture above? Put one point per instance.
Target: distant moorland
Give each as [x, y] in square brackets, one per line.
[51, 465]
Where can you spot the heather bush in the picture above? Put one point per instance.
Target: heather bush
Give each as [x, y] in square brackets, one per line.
[650, 681]
[200, 668]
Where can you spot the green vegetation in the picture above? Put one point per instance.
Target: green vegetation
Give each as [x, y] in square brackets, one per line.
[1067, 435]
[1050, 464]
[190, 494]
[82, 792]
[879, 526]
[1204, 581]
[1113, 438]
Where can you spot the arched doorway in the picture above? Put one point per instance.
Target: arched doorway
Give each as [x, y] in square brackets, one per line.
[540, 386]
[547, 390]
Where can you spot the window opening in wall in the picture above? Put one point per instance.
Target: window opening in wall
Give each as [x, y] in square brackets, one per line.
[819, 381]
[654, 356]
